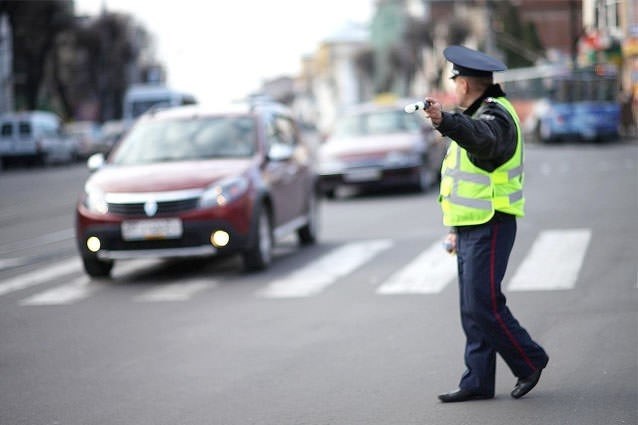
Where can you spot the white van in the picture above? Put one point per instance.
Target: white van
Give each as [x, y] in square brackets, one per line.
[141, 98]
[35, 136]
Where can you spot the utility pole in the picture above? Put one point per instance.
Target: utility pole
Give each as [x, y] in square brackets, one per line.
[490, 42]
[574, 33]
[6, 65]
[490, 36]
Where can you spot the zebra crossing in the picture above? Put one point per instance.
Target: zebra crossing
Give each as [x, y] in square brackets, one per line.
[568, 246]
[552, 263]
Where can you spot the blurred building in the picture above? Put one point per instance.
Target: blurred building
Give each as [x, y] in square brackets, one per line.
[558, 23]
[303, 102]
[610, 38]
[282, 89]
[360, 61]
[336, 81]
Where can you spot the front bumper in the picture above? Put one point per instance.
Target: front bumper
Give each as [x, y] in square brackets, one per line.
[371, 177]
[195, 241]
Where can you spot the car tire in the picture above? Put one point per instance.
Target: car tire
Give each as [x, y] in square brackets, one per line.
[330, 193]
[308, 233]
[43, 159]
[425, 179]
[259, 255]
[542, 133]
[97, 268]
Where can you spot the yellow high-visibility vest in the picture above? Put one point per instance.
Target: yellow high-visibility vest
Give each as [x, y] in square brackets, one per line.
[470, 195]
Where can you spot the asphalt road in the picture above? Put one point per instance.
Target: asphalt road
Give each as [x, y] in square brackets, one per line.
[362, 328]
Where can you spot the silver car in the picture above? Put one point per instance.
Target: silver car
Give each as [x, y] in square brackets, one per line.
[377, 145]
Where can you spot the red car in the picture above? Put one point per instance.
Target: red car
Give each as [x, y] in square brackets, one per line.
[189, 181]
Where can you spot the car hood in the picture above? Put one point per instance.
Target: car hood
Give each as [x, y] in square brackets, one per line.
[371, 145]
[166, 176]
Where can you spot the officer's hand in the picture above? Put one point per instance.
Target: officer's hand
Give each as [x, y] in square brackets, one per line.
[434, 111]
[450, 243]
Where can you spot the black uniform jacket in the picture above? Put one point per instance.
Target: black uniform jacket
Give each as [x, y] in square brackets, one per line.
[489, 139]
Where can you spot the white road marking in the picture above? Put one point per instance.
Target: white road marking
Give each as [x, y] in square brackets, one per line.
[8, 263]
[39, 276]
[553, 261]
[125, 267]
[180, 291]
[428, 273]
[45, 239]
[545, 169]
[75, 290]
[320, 274]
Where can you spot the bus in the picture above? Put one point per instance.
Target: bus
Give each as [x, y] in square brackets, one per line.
[141, 98]
[557, 103]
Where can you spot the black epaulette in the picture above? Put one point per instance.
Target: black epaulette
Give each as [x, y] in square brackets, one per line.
[488, 105]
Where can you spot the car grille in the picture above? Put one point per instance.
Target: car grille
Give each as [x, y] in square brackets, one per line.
[163, 207]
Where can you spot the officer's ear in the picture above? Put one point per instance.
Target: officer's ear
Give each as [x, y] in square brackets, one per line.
[464, 84]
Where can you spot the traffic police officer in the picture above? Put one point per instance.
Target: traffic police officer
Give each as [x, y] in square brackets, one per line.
[481, 196]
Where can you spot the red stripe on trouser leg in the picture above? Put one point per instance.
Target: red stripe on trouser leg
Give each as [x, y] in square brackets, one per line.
[497, 315]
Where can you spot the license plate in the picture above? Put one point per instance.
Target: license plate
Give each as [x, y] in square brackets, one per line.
[152, 229]
[364, 174]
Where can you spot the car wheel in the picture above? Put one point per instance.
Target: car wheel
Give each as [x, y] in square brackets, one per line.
[43, 159]
[542, 133]
[97, 268]
[308, 233]
[330, 193]
[425, 179]
[259, 255]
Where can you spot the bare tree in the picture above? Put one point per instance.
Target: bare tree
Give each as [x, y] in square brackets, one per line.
[35, 25]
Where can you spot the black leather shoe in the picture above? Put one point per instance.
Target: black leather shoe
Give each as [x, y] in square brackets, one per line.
[462, 395]
[523, 386]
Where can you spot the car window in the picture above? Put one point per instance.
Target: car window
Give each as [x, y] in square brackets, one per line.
[188, 139]
[6, 129]
[49, 129]
[24, 128]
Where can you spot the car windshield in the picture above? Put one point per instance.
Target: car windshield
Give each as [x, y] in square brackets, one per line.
[377, 122]
[188, 139]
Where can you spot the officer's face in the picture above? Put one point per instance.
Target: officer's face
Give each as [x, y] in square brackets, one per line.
[462, 88]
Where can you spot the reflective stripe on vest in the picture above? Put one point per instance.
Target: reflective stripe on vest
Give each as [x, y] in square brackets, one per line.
[499, 190]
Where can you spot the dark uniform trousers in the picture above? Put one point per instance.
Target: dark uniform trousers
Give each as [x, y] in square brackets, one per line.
[483, 252]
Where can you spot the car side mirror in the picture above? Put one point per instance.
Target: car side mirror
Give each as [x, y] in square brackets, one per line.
[280, 152]
[95, 161]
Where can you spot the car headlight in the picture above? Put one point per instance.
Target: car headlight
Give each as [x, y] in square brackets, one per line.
[402, 159]
[94, 200]
[224, 192]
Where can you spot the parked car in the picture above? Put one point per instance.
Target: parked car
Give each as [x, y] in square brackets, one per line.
[86, 135]
[35, 136]
[589, 121]
[377, 145]
[110, 134]
[189, 181]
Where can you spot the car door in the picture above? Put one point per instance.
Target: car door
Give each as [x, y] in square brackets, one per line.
[284, 170]
[6, 138]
